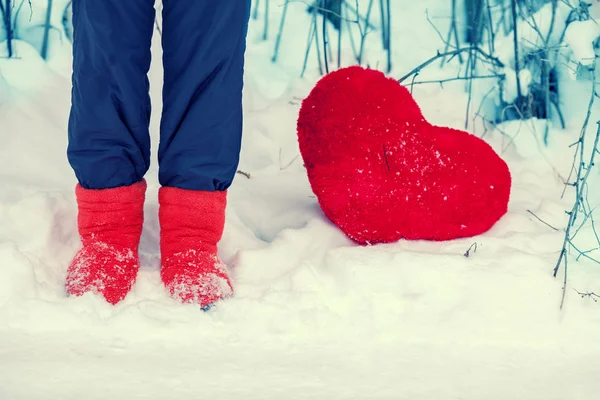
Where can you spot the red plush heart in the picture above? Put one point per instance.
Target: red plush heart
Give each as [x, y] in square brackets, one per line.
[381, 172]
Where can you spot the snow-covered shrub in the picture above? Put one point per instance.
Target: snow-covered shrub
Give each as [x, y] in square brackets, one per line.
[543, 44]
[530, 45]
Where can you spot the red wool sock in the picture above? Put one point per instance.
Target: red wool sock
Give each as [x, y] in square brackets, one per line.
[192, 223]
[110, 225]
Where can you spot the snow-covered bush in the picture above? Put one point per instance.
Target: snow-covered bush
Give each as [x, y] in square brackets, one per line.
[529, 45]
[537, 42]
[543, 47]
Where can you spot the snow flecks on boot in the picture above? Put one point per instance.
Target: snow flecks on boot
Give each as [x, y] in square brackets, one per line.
[196, 277]
[103, 269]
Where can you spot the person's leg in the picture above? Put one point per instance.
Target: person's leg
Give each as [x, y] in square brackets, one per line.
[204, 42]
[109, 143]
[203, 55]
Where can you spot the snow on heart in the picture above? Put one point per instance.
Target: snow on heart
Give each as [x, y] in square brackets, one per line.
[382, 173]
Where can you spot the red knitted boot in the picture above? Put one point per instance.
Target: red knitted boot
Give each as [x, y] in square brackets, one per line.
[192, 224]
[110, 225]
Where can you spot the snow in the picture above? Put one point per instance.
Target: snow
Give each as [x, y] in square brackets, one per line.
[20, 74]
[580, 37]
[314, 315]
[510, 93]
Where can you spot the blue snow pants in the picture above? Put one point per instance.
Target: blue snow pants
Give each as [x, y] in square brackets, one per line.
[203, 42]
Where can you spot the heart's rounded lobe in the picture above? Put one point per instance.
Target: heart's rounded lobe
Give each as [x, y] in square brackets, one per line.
[381, 172]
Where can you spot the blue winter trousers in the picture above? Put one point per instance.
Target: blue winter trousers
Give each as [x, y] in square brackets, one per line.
[204, 42]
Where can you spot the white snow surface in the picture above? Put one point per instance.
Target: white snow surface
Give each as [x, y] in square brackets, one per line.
[314, 316]
[580, 37]
[510, 93]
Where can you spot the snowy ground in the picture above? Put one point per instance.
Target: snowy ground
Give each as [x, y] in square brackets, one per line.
[315, 316]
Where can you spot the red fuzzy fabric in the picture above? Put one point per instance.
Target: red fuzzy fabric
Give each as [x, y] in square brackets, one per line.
[192, 223]
[382, 173]
[110, 225]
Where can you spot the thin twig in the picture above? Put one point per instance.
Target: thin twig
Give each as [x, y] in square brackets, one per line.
[266, 28]
[541, 220]
[451, 54]
[472, 247]
[280, 33]
[284, 167]
[591, 295]
[7, 16]
[387, 163]
[491, 33]
[325, 35]
[364, 34]
[453, 30]
[388, 26]
[256, 5]
[358, 16]
[246, 174]
[311, 35]
[513, 5]
[349, 24]
[383, 23]
[459, 78]
[339, 41]
[47, 26]
[471, 65]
